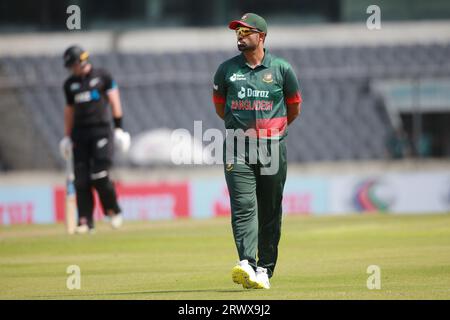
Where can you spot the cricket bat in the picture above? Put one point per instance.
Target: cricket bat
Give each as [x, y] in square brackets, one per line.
[70, 201]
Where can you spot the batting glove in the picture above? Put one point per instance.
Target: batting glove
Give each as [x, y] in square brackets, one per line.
[65, 147]
[122, 140]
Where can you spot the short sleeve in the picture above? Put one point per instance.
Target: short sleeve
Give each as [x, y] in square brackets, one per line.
[68, 94]
[291, 87]
[109, 82]
[219, 86]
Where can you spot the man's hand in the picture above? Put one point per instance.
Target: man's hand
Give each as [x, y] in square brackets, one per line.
[220, 110]
[122, 140]
[293, 111]
[65, 147]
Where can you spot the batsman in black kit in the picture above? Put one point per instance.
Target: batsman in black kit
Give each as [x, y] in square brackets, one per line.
[92, 106]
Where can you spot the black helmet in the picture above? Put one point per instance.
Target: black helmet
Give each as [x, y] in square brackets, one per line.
[73, 55]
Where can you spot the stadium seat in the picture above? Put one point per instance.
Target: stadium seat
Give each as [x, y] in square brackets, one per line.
[342, 119]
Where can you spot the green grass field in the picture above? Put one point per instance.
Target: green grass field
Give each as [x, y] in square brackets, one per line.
[319, 258]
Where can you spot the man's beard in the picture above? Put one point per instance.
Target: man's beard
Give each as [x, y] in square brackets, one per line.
[242, 46]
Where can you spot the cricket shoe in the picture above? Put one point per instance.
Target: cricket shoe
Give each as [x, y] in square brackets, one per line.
[116, 221]
[244, 274]
[262, 279]
[83, 229]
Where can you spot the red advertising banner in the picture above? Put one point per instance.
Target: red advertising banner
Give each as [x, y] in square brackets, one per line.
[17, 213]
[293, 203]
[26, 205]
[141, 201]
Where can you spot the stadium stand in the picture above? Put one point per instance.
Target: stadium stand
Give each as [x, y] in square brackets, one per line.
[342, 118]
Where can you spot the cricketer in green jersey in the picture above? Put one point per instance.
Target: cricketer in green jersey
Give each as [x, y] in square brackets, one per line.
[256, 93]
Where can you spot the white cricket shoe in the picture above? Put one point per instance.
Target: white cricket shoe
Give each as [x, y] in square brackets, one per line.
[116, 221]
[82, 229]
[244, 274]
[262, 278]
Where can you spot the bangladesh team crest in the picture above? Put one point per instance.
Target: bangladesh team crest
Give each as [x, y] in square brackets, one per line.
[268, 78]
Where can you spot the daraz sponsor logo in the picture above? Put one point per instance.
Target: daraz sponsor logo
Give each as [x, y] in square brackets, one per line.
[252, 93]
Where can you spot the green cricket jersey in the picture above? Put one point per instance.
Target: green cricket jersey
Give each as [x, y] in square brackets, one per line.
[256, 98]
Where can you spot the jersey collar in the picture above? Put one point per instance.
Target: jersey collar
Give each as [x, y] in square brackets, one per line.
[267, 59]
[265, 62]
